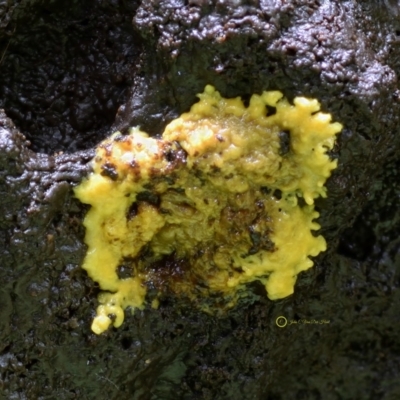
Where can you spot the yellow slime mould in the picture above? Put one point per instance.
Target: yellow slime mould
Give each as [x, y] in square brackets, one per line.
[225, 197]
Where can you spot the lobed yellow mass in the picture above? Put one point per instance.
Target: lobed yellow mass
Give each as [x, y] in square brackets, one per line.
[223, 198]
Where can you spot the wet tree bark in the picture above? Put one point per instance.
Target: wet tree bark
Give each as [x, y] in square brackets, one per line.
[71, 73]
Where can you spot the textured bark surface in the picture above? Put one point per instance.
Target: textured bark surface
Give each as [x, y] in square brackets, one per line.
[73, 72]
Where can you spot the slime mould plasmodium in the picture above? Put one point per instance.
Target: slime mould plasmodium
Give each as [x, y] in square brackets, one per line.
[223, 198]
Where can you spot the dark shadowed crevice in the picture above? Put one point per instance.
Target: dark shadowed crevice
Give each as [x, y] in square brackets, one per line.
[358, 241]
[65, 70]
